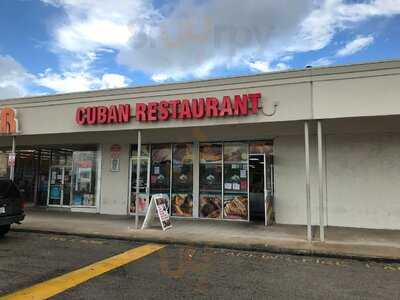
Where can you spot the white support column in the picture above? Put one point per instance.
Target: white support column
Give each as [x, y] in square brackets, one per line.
[196, 178]
[12, 167]
[139, 152]
[320, 185]
[308, 179]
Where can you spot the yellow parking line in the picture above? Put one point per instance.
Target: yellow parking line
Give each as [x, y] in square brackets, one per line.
[64, 282]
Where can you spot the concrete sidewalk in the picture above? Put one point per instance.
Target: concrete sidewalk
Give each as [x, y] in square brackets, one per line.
[340, 242]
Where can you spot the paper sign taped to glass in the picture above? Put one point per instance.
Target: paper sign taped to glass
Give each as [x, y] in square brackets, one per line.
[158, 206]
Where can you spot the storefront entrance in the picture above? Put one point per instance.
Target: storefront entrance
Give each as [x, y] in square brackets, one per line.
[233, 180]
[257, 186]
[59, 191]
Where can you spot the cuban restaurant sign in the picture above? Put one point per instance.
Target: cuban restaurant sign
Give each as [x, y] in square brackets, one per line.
[179, 109]
[8, 121]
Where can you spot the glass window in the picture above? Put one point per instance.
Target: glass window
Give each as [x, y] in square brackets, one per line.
[182, 180]
[84, 178]
[210, 199]
[160, 172]
[145, 150]
[235, 181]
[3, 164]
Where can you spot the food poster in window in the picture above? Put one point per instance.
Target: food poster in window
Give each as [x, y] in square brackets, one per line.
[160, 168]
[236, 207]
[182, 180]
[182, 204]
[210, 206]
[210, 153]
[182, 154]
[235, 153]
[261, 148]
[141, 202]
[211, 177]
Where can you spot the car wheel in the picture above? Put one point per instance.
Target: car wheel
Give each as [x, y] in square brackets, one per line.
[4, 229]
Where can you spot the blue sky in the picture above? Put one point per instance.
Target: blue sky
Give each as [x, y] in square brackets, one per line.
[58, 46]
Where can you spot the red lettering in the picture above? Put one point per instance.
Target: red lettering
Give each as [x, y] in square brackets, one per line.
[80, 116]
[211, 107]
[164, 112]
[198, 108]
[241, 105]
[226, 107]
[141, 109]
[124, 113]
[185, 111]
[8, 122]
[255, 101]
[112, 115]
[91, 115]
[102, 114]
[152, 111]
[174, 104]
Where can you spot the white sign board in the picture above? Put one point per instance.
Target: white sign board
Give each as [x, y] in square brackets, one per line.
[158, 204]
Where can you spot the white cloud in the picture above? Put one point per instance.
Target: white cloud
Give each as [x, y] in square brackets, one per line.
[322, 62]
[265, 66]
[360, 43]
[189, 38]
[90, 25]
[261, 66]
[111, 81]
[13, 78]
[79, 81]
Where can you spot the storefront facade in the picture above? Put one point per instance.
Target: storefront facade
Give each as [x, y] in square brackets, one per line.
[314, 147]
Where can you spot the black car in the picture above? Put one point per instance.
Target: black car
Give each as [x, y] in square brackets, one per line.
[11, 205]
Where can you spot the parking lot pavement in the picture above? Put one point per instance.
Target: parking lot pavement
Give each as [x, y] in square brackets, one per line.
[184, 272]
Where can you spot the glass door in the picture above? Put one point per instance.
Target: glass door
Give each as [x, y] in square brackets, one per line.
[257, 187]
[144, 189]
[59, 189]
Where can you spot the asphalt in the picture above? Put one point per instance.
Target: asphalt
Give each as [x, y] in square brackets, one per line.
[383, 245]
[181, 272]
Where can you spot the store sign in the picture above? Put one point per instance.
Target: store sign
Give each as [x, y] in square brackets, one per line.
[8, 121]
[178, 109]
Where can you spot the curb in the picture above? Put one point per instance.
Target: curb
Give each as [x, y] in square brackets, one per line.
[223, 245]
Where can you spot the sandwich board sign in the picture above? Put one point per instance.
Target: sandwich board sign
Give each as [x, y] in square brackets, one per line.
[158, 205]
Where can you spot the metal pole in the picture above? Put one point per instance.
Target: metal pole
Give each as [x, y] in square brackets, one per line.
[37, 174]
[308, 193]
[12, 167]
[320, 184]
[139, 152]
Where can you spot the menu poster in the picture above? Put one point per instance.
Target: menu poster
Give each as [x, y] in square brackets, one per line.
[210, 206]
[162, 211]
